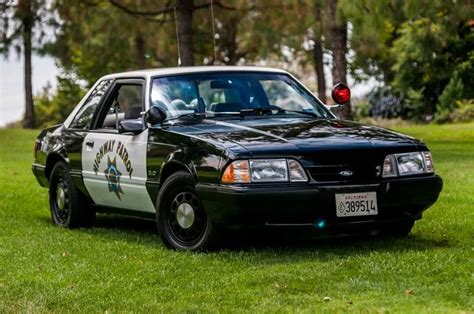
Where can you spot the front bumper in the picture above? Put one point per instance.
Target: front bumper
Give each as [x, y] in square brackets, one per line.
[308, 203]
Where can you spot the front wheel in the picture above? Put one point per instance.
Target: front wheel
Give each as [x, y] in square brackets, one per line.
[69, 207]
[182, 220]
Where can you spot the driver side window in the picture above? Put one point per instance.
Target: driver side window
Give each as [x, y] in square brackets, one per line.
[83, 118]
[125, 103]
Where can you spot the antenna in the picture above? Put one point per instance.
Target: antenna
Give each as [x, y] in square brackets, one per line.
[177, 35]
[213, 31]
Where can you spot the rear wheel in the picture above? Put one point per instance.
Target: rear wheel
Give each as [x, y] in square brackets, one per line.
[182, 220]
[400, 229]
[69, 207]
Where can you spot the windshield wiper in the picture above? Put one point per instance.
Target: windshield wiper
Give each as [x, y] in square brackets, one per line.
[308, 113]
[260, 111]
[224, 113]
[188, 115]
[243, 112]
[204, 115]
[281, 110]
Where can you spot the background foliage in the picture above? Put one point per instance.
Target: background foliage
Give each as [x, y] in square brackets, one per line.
[421, 52]
[52, 107]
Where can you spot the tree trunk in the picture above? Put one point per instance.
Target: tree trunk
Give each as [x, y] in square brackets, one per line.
[319, 69]
[185, 31]
[339, 50]
[229, 40]
[318, 50]
[140, 46]
[27, 24]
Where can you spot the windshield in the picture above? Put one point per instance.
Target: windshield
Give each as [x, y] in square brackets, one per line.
[222, 94]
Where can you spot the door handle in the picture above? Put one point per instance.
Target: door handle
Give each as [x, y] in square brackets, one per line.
[90, 144]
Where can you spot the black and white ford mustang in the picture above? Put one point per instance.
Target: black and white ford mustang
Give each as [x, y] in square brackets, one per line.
[203, 148]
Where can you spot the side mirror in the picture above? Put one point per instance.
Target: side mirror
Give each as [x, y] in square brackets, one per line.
[134, 126]
[155, 115]
[341, 94]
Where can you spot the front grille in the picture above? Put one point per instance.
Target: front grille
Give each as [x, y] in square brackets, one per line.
[332, 173]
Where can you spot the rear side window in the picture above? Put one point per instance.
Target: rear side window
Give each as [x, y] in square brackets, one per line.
[83, 118]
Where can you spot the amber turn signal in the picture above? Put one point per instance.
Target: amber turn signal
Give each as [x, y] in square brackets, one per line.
[237, 172]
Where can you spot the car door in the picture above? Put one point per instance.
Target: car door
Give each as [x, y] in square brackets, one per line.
[114, 163]
[76, 130]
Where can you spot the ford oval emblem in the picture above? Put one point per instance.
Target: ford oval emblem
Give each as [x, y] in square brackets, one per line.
[346, 173]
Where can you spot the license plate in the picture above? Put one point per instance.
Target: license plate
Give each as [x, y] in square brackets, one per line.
[356, 204]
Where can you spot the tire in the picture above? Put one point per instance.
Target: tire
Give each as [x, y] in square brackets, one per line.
[182, 221]
[401, 229]
[69, 207]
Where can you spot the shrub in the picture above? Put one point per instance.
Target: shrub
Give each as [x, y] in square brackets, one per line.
[463, 112]
[52, 107]
[458, 95]
[383, 103]
[360, 110]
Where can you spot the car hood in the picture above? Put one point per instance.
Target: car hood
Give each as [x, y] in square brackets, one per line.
[268, 135]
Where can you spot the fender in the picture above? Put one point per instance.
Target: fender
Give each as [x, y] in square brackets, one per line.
[174, 161]
[57, 152]
[54, 144]
[200, 158]
[174, 164]
[49, 149]
[52, 159]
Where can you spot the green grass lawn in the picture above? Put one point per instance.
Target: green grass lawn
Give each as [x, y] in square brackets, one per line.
[122, 265]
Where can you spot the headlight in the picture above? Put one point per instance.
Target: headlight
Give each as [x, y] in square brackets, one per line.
[411, 163]
[272, 170]
[407, 164]
[264, 170]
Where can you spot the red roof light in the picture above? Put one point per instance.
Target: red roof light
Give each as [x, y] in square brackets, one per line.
[341, 94]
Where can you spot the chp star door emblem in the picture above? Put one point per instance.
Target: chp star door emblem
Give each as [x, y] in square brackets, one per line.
[113, 177]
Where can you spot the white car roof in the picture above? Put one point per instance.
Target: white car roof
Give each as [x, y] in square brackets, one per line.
[188, 70]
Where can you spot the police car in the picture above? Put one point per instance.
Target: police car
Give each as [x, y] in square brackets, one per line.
[204, 148]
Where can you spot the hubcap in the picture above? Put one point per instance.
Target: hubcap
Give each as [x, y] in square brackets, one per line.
[185, 215]
[60, 197]
[61, 201]
[187, 219]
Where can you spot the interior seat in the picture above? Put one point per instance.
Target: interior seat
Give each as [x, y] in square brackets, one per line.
[110, 120]
[178, 104]
[133, 112]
